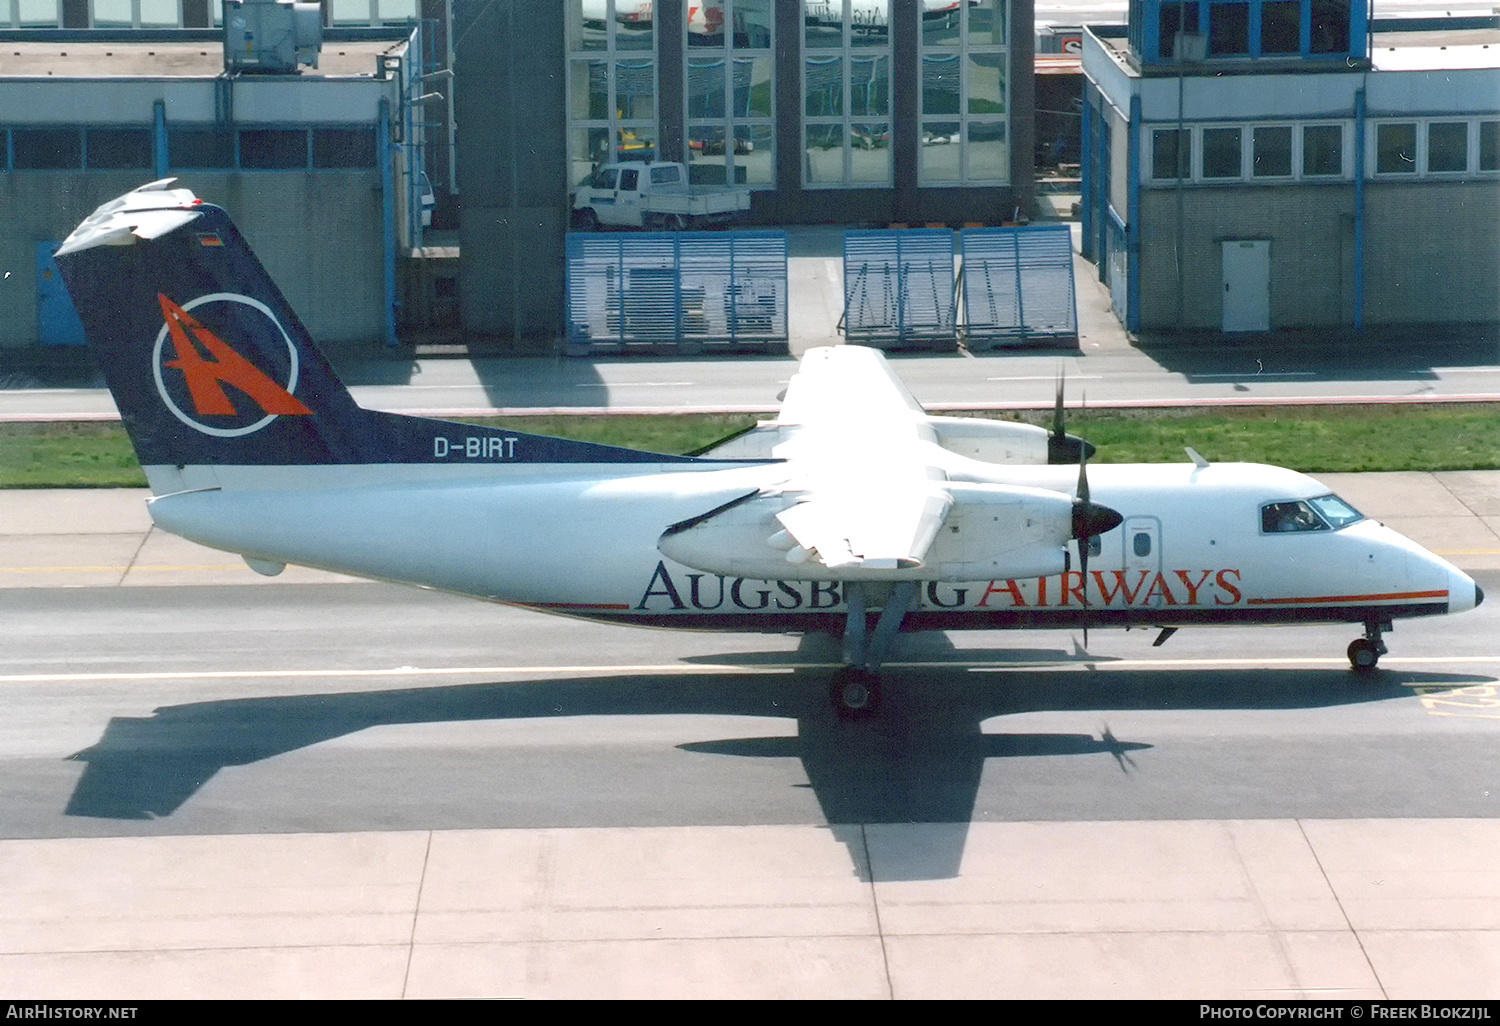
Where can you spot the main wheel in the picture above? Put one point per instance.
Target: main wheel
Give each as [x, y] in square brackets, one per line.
[675, 222]
[586, 220]
[855, 692]
[1364, 655]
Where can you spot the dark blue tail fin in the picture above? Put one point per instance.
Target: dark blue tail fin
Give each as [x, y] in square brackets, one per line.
[210, 366]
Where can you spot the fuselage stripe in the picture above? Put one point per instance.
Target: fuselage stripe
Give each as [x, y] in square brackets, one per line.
[1315, 599]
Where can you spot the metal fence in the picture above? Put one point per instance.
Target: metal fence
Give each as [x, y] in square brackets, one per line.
[899, 288]
[1018, 285]
[676, 292]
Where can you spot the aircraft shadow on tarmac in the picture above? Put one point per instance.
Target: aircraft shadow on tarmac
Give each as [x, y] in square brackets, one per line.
[918, 760]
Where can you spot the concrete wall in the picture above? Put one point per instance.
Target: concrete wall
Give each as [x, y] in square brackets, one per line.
[319, 234]
[1311, 230]
[1430, 252]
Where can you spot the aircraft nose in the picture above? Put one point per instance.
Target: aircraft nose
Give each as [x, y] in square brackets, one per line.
[1463, 592]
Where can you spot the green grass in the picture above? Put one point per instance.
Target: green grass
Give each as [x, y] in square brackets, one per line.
[1312, 439]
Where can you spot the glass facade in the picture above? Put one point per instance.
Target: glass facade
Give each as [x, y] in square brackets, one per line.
[964, 78]
[846, 93]
[611, 84]
[729, 93]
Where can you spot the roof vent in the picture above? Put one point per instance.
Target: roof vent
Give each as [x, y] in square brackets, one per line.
[271, 36]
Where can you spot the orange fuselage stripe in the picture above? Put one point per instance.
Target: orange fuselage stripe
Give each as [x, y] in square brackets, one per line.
[1314, 599]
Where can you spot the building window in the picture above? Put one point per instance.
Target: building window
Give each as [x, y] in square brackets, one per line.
[1330, 26]
[1489, 146]
[273, 149]
[47, 149]
[365, 12]
[1170, 150]
[1322, 150]
[964, 76]
[611, 83]
[32, 13]
[204, 148]
[1221, 153]
[1396, 148]
[118, 149]
[730, 101]
[1272, 156]
[846, 93]
[135, 13]
[343, 148]
[1175, 18]
[1447, 146]
[1229, 29]
[1281, 27]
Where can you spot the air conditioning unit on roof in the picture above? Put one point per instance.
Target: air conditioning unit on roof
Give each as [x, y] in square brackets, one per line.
[271, 36]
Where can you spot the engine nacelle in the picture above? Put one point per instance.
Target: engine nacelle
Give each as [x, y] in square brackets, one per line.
[991, 532]
[992, 441]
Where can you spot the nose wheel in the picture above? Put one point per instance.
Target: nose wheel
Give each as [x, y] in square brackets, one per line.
[1365, 652]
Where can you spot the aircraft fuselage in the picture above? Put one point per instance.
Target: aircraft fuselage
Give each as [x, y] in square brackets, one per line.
[1193, 548]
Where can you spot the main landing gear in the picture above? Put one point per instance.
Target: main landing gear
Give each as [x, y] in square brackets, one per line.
[1365, 652]
[855, 690]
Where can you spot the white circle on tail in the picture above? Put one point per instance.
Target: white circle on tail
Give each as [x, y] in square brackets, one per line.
[165, 393]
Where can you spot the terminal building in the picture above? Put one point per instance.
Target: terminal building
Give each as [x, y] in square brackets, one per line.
[1255, 165]
[829, 111]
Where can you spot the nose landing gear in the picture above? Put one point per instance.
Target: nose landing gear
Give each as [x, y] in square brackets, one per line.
[1365, 652]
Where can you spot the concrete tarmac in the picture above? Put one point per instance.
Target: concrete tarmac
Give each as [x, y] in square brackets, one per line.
[1243, 910]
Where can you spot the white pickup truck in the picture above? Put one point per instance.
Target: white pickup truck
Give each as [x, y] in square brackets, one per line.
[656, 195]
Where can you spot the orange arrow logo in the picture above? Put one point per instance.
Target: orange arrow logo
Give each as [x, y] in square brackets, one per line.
[206, 376]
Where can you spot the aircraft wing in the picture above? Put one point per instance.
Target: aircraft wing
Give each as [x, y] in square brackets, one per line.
[867, 483]
[845, 384]
[852, 434]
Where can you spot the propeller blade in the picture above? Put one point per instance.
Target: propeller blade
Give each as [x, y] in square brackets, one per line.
[1063, 448]
[1089, 519]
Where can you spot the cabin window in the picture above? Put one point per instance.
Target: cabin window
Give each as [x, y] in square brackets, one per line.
[1141, 544]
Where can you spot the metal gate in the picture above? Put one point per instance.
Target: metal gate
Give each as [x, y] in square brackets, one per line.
[676, 292]
[898, 288]
[1018, 285]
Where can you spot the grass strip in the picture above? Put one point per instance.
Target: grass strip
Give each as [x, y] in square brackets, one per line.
[1313, 439]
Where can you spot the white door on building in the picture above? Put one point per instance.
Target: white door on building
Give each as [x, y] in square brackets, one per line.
[1247, 285]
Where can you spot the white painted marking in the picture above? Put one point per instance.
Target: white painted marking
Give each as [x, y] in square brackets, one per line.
[399, 671]
[1052, 377]
[633, 384]
[1086, 663]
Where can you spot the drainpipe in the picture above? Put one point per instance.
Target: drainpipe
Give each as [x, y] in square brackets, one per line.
[159, 142]
[1359, 209]
[1133, 217]
[388, 222]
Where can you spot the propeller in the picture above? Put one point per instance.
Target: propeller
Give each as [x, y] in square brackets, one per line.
[1089, 518]
[1062, 447]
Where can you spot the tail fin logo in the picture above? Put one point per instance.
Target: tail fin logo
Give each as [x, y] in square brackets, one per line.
[206, 364]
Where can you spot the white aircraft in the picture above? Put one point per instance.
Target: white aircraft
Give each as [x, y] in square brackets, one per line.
[853, 512]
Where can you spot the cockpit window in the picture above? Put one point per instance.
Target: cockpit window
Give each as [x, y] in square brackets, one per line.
[1326, 512]
[1285, 517]
[1336, 511]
